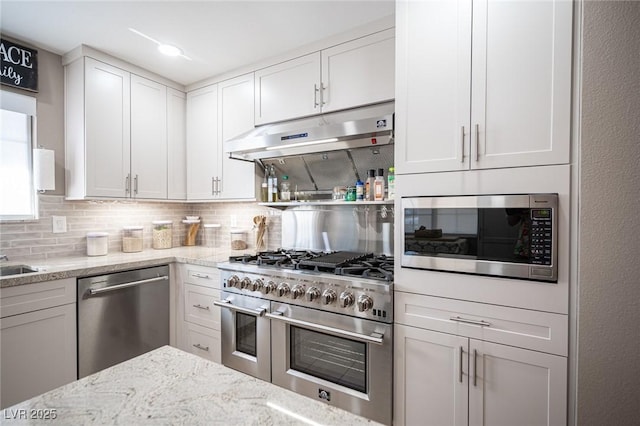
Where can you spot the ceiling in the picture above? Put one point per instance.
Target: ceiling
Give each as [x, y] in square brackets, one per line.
[218, 36]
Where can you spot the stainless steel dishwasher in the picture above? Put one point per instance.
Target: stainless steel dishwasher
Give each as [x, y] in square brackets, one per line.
[120, 316]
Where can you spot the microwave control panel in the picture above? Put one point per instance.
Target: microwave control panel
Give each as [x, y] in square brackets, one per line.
[541, 236]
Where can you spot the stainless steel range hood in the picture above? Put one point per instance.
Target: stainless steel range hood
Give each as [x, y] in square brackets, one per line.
[362, 127]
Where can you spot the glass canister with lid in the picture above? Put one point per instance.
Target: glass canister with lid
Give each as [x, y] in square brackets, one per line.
[162, 234]
[132, 239]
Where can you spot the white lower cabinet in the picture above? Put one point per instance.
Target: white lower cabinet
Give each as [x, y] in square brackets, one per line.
[444, 379]
[38, 339]
[464, 363]
[198, 320]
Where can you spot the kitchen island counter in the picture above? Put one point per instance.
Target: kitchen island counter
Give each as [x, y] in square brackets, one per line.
[169, 386]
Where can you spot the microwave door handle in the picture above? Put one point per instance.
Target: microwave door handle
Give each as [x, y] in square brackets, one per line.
[227, 304]
[376, 338]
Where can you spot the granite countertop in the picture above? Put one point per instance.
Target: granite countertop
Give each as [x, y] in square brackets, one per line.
[69, 267]
[169, 386]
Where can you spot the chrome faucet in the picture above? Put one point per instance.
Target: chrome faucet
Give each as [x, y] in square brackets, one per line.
[4, 257]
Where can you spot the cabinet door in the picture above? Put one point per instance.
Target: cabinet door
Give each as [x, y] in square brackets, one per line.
[433, 45]
[107, 130]
[38, 352]
[521, 96]
[431, 378]
[513, 386]
[203, 153]
[288, 90]
[236, 116]
[359, 72]
[148, 138]
[176, 144]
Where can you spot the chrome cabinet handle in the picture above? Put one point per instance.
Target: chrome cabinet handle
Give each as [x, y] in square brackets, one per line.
[461, 353]
[94, 291]
[127, 186]
[462, 138]
[199, 346]
[322, 89]
[201, 276]
[475, 367]
[481, 323]
[227, 304]
[199, 306]
[376, 338]
[315, 95]
[135, 185]
[477, 142]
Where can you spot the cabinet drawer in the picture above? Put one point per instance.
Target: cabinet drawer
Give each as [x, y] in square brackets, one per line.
[31, 297]
[201, 275]
[199, 308]
[540, 331]
[204, 342]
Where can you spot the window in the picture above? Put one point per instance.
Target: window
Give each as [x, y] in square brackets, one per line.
[18, 199]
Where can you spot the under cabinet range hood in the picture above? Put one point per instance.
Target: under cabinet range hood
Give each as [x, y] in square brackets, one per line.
[361, 127]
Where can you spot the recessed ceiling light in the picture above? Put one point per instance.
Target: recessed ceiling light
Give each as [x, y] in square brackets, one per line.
[166, 49]
[169, 50]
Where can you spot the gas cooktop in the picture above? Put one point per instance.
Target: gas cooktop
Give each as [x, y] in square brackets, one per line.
[345, 263]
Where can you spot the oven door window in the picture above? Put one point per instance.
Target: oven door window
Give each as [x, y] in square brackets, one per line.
[246, 334]
[335, 359]
[492, 234]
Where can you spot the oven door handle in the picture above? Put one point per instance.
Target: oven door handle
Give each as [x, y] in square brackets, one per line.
[227, 304]
[376, 338]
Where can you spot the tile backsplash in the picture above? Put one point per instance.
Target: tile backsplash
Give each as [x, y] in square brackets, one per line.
[35, 241]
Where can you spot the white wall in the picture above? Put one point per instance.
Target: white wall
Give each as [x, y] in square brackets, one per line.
[609, 216]
[50, 107]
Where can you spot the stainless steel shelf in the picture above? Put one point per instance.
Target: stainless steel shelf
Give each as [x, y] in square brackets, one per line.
[284, 204]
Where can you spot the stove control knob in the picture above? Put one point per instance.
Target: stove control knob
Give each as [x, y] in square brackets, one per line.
[364, 303]
[269, 287]
[297, 291]
[312, 294]
[255, 285]
[328, 297]
[346, 299]
[246, 281]
[283, 289]
[233, 281]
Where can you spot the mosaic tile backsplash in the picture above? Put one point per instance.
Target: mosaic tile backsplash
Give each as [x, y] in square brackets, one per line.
[34, 240]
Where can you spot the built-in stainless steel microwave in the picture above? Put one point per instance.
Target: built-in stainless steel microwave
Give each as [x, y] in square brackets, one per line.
[498, 235]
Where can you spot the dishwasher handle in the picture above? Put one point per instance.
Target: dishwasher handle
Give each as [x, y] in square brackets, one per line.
[94, 291]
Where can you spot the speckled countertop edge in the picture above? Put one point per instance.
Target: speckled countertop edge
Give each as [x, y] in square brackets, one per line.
[168, 386]
[70, 267]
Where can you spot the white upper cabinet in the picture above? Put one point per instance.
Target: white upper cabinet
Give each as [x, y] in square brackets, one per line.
[236, 116]
[486, 89]
[350, 74]
[359, 72]
[203, 153]
[105, 130]
[176, 144]
[287, 90]
[148, 138]
[118, 127]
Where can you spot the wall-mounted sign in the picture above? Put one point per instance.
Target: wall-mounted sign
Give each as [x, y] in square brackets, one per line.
[19, 66]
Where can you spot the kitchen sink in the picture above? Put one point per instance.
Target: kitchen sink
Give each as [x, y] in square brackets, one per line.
[16, 270]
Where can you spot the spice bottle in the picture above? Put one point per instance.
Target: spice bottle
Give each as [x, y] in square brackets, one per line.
[368, 186]
[391, 183]
[359, 191]
[264, 190]
[378, 186]
[273, 185]
[285, 189]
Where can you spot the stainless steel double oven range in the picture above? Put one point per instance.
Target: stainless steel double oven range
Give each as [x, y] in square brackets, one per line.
[319, 324]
